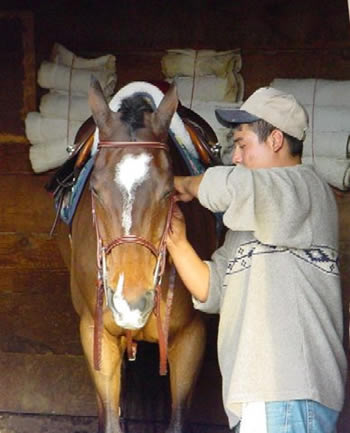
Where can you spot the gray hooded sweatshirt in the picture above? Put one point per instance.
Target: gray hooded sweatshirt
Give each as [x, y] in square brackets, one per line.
[275, 283]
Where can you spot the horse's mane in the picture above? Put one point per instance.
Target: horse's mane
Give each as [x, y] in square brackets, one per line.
[132, 109]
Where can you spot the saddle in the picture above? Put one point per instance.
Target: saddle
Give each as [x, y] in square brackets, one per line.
[202, 135]
[66, 176]
[67, 173]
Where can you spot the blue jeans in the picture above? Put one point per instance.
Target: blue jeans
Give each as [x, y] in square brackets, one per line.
[299, 416]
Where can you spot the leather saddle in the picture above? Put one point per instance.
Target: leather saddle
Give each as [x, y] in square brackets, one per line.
[201, 133]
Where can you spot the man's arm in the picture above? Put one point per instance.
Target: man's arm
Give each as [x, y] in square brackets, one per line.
[187, 186]
[192, 270]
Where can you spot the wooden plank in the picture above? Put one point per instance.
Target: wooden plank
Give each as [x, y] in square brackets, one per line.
[61, 385]
[300, 63]
[24, 423]
[47, 384]
[17, 30]
[31, 423]
[139, 66]
[14, 158]
[343, 201]
[29, 251]
[36, 312]
[31, 281]
[27, 206]
[38, 316]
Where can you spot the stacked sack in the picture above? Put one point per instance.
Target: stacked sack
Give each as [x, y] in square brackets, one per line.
[206, 80]
[62, 110]
[327, 143]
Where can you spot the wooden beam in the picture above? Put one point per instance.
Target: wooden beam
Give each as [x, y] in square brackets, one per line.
[23, 99]
[47, 384]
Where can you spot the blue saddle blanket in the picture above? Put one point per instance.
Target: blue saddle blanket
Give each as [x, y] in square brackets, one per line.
[72, 196]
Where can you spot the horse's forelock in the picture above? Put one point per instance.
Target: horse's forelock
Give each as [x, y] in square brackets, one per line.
[132, 110]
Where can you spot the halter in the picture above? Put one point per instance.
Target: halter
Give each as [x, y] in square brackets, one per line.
[160, 254]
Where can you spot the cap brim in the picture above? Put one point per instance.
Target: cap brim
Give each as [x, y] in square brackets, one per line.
[231, 118]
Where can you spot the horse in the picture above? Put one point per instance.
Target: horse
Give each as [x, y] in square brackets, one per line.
[123, 285]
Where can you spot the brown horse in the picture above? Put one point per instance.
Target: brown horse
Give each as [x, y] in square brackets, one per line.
[118, 239]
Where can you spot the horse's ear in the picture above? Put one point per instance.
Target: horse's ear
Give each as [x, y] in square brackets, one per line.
[98, 103]
[165, 111]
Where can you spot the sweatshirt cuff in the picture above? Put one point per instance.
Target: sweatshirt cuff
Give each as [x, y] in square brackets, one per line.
[213, 192]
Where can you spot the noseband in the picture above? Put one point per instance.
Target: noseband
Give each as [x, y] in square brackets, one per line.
[104, 250]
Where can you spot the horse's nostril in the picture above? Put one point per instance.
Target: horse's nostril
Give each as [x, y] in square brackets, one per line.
[139, 304]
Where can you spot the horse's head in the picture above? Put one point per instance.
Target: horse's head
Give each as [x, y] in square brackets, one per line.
[131, 186]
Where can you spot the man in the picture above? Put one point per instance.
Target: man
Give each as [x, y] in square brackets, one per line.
[275, 281]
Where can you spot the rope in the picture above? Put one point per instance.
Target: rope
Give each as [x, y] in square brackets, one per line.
[194, 76]
[69, 102]
[313, 103]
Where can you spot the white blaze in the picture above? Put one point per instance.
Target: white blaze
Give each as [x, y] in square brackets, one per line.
[130, 172]
[123, 315]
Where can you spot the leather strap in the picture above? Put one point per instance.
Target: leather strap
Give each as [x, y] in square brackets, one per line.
[159, 253]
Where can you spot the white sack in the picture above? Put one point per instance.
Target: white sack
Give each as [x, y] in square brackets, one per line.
[60, 77]
[335, 171]
[184, 62]
[45, 157]
[62, 55]
[40, 129]
[329, 118]
[56, 105]
[327, 143]
[319, 92]
[206, 109]
[209, 88]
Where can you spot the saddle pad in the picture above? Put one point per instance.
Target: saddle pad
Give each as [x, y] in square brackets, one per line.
[72, 196]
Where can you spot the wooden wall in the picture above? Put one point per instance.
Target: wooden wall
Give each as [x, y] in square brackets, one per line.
[38, 327]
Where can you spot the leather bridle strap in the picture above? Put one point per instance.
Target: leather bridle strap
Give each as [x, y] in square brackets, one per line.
[131, 239]
[133, 144]
[159, 253]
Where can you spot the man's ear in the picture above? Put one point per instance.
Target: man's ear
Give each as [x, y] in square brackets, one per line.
[276, 140]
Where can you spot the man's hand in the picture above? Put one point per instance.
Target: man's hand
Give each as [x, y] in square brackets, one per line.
[177, 232]
[187, 186]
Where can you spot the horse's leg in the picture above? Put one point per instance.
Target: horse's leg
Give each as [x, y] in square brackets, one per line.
[107, 379]
[185, 358]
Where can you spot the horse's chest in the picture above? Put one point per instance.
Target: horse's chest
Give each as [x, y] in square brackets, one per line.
[147, 333]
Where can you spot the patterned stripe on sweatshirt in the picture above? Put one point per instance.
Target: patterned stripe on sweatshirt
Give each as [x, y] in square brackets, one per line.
[322, 257]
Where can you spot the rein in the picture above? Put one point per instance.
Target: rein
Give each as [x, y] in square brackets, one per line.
[160, 254]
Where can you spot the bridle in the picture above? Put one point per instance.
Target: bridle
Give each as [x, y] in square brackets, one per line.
[159, 252]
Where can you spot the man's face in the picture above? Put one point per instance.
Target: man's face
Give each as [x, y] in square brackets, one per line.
[249, 151]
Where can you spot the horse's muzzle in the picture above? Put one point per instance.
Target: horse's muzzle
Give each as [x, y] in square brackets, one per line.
[129, 315]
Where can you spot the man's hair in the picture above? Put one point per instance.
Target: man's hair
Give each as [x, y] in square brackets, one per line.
[263, 129]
